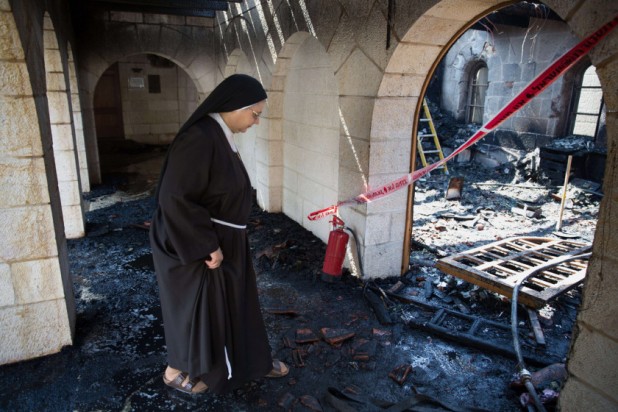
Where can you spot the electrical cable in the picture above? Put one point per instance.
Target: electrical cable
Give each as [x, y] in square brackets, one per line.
[358, 253]
[524, 373]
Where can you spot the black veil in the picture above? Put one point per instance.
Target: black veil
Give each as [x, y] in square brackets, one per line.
[233, 93]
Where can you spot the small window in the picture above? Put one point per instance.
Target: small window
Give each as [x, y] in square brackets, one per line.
[476, 93]
[588, 110]
[154, 83]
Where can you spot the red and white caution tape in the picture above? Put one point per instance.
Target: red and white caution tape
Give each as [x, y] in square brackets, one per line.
[536, 86]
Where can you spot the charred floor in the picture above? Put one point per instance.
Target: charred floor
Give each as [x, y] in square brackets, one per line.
[352, 344]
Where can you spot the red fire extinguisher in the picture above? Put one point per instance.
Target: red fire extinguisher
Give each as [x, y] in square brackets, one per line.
[335, 251]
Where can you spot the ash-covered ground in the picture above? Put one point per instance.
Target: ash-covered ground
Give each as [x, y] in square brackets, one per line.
[344, 353]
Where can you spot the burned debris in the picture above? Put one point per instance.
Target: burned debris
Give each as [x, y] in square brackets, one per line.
[445, 306]
[342, 355]
[418, 339]
[502, 226]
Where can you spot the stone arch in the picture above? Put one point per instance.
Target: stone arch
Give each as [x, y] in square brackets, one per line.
[465, 54]
[200, 66]
[151, 119]
[62, 134]
[78, 127]
[204, 84]
[240, 34]
[304, 120]
[397, 105]
[157, 39]
[406, 80]
[461, 63]
[36, 306]
[471, 70]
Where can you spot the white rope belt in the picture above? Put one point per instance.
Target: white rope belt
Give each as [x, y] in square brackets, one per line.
[224, 223]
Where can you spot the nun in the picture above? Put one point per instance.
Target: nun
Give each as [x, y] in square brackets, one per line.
[214, 331]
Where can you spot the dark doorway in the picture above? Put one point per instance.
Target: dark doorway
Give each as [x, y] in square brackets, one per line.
[108, 106]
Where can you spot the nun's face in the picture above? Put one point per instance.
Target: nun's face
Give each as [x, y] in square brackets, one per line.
[240, 120]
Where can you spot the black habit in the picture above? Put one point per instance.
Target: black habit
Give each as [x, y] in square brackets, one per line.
[212, 320]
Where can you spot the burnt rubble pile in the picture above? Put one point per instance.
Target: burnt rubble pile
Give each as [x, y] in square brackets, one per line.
[534, 157]
[490, 207]
[340, 353]
[359, 324]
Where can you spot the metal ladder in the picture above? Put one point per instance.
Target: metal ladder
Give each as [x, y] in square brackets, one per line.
[426, 119]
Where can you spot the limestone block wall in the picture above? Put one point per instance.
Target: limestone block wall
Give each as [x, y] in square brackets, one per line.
[78, 127]
[37, 312]
[61, 119]
[521, 58]
[593, 359]
[310, 135]
[514, 56]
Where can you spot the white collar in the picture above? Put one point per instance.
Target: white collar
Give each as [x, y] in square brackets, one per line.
[226, 130]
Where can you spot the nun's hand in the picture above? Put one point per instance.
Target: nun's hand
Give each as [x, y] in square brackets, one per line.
[215, 260]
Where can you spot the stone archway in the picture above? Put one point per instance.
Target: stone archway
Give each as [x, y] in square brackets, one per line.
[37, 312]
[140, 102]
[188, 47]
[147, 126]
[592, 361]
[397, 106]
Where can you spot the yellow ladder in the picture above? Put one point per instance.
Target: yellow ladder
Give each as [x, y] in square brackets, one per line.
[421, 136]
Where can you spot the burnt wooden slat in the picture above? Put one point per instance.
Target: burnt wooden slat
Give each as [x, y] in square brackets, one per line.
[484, 267]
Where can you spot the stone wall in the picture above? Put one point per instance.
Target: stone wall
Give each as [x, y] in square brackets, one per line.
[593, 360]
[514, 56]
[37, 310]
[149, 116]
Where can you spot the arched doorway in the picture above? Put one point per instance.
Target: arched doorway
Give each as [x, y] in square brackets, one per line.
[428, 45]
[140, 102]
[36, 297]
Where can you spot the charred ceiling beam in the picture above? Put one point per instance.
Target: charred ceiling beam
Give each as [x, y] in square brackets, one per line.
[517, 15]
[201, 8]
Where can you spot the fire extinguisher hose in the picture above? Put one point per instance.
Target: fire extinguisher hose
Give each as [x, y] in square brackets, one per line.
[358, 253]
[374, 294]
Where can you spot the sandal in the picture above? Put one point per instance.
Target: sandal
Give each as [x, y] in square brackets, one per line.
[188, 387]
[279, 370]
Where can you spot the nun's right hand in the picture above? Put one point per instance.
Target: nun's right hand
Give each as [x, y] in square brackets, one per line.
[215, 260]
